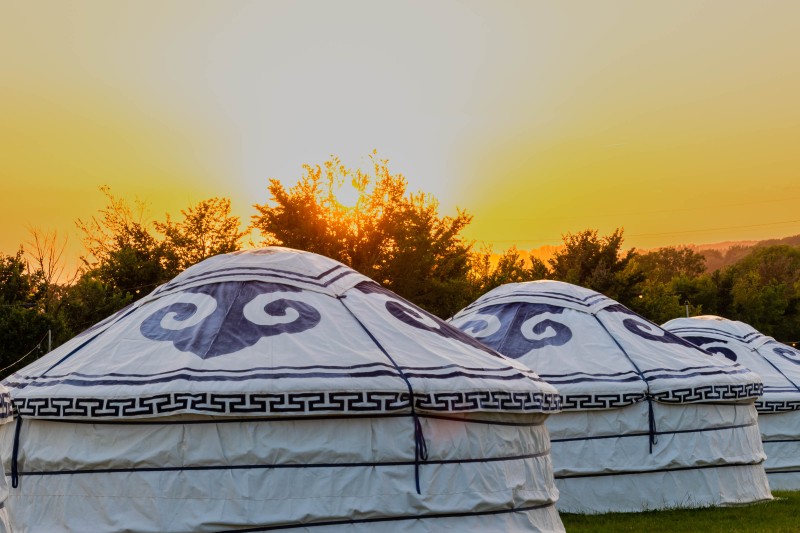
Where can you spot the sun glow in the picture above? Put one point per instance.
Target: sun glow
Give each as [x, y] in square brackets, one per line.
[677, 122]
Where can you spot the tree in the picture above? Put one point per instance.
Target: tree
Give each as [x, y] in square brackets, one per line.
[763, 290]
[390, 235]
[510, 267]
[665, 264]
[598, 263]
[124, 253]
[129, 257]
[23, 321]
[207, 229]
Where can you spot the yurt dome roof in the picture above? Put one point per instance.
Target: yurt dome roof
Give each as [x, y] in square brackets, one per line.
[273, 332]
[599, 353]
[778, 364]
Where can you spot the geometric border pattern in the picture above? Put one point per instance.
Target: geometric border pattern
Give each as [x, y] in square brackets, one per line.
[703, 393]
[290, 403]
[708, 393]
[600, 401]
[777, 406]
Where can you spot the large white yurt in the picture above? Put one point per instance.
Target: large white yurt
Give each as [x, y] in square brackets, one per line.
[649, 420]
[278, 390]
[779, 367]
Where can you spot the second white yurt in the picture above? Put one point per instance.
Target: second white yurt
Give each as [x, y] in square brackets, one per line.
[276, 390]
[649, 420]
[779, 367]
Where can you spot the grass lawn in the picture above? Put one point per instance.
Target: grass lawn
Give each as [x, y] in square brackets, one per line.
[782, 515]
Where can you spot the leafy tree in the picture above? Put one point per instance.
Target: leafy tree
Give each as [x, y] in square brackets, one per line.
[23, 321]
[657, 302]
[702, 293]
[598, 263]
[89, 301]
[129, 258]
[207, 229]
[665, 270]
[665, 264]
[511, 267]
[390, 235]
[124, 253]
[763, 289]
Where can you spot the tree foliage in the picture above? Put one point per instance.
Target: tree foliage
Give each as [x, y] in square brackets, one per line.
[392, 235]
[131, 255]
[389, 234]
[598, 263]
[665, 264]
[207, 229]
[763, 289]
[24, 320]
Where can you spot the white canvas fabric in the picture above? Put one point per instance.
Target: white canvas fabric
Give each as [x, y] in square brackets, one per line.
[649, 420]
[278, 390]
[779, 367]
[6, 416]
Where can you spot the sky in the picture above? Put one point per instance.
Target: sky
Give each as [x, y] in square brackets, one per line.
[678, 121]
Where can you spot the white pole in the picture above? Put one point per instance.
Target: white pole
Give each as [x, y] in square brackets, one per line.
[49, 340]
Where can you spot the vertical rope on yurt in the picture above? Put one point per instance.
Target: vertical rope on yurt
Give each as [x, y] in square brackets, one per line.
[15, 454]
[651, 419]
[420, 446]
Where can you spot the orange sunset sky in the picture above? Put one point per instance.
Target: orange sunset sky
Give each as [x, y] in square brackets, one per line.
[679, 120]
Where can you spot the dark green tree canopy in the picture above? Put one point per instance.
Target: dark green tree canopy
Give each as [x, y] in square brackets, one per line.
[664, 264]
[598, 263]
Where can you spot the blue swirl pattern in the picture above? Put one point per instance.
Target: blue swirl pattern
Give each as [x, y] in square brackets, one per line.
[788, 353]
[706, 342]
[230, 326]
[415, 317]
[640, 326]
[522, 328]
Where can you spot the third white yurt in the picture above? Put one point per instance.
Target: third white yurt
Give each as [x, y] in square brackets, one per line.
[779, 367]
[274, 390]
[649, 420]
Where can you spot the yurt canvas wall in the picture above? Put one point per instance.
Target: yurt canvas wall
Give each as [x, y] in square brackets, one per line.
[779, 367]
[278, 390]
[6, 416]
[649, 421]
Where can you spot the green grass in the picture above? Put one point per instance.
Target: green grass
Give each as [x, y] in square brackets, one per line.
[781, 515]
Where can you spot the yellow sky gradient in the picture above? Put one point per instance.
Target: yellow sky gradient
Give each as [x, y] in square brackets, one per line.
[679, 121]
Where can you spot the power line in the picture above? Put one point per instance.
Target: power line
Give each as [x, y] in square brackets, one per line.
[660, 234]
[658, 212]
[38, 346]
[715, 229]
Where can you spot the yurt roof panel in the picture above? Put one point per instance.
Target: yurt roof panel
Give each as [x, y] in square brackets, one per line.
[249, 334]
[778, 364]
[597, 352]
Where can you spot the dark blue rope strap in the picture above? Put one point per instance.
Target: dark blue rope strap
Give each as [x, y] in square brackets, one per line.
[651, 419]
[15, 454]
[420, 446]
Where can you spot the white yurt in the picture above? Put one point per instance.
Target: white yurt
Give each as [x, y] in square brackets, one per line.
[779, 367]
[648, 420]
[276, 390]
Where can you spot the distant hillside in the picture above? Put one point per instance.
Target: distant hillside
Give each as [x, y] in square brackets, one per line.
[718, 255]
[722, 254]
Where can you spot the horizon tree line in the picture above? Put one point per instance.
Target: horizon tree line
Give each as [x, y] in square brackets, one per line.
[394, 236]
